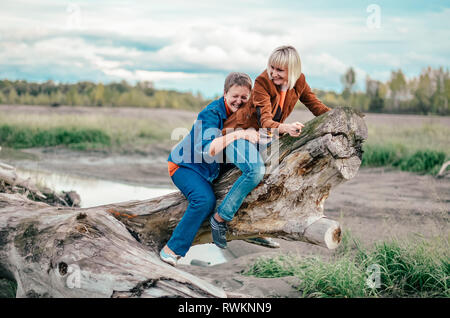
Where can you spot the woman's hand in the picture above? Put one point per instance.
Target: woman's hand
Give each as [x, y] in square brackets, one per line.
[220, 143]
[250, 134]
[294, 129]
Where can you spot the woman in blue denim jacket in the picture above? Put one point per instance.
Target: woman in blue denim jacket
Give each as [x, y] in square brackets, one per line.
[194, 164]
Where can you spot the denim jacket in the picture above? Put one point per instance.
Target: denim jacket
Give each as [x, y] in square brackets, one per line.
[193, 151]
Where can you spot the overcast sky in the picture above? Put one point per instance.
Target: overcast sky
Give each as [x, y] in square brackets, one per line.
[192, 45]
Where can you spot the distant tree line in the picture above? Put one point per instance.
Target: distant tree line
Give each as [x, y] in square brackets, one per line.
[428, 93]
[143, 94]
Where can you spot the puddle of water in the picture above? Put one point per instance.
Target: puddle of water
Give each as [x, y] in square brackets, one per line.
[206, 253]
[95, 192]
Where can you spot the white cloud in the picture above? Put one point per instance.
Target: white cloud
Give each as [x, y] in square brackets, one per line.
[395, 61]
[143, 75]
[323, 64]
[160, 42]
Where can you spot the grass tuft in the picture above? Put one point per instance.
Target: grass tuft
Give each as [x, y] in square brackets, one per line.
[420, 161]
[389, 269]
[8, 288]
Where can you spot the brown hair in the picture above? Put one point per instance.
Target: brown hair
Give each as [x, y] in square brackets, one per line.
[239, 79]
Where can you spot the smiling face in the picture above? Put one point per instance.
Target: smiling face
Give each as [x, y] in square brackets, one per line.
[278, 74]
[236, 97]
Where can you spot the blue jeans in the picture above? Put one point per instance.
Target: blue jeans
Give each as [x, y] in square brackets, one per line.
[202, 200]
[244, 155]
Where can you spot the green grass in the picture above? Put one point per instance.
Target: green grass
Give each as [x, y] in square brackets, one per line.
[420, 268]
[26, 137]
[84, 132]
[417, 270]
[7, 288]
[420, 161]
[420, 149]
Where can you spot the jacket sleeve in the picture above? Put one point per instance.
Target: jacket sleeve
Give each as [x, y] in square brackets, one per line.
[206, 129]
[261, 99]
[309, 99]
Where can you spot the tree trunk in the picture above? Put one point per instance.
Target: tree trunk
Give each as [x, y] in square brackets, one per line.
[112, 250]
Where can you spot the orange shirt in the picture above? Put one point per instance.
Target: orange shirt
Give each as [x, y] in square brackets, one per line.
[282, 97]
[229, 112]
[172, 167]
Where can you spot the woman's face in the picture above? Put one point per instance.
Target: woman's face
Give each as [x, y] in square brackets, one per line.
[236, 97]
[279, 75]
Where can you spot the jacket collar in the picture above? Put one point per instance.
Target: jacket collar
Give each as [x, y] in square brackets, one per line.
[227, 108]
[221, 108]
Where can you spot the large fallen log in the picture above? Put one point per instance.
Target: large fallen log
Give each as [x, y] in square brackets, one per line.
[112, 250]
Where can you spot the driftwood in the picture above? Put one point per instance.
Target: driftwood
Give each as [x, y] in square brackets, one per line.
[10, 182]
[112, 250]
[443, 171]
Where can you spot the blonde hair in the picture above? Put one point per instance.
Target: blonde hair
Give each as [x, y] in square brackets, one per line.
[286, 56]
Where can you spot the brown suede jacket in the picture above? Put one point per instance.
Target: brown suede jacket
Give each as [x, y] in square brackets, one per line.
[266, 96]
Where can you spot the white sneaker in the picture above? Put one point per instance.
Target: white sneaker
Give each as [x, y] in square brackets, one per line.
[168, 258]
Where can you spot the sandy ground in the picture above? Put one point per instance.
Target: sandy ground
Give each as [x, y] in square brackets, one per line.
[377, 204]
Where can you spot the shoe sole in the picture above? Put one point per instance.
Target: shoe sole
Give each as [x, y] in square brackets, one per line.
[222, 247]
[169, 261]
